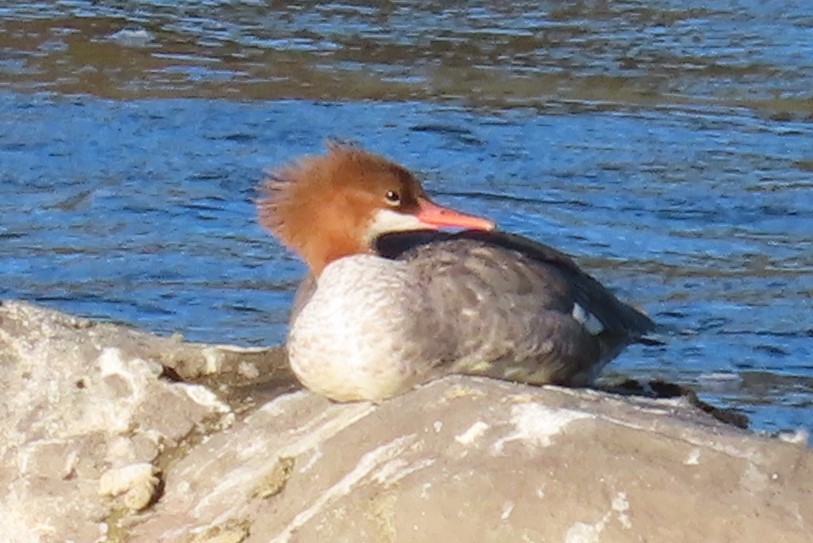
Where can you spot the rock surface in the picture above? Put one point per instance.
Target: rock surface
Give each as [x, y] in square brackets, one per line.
[110, 434]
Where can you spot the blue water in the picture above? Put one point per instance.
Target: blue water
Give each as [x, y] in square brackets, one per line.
[142, 212]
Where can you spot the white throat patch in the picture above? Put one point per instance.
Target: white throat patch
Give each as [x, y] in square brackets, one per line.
[387, 220]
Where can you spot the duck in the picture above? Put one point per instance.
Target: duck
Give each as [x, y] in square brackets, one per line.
[401, 290]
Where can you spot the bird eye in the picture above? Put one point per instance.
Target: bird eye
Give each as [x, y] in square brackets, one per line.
[393, 198]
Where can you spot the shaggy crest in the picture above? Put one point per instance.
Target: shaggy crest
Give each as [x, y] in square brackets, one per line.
[300, 197]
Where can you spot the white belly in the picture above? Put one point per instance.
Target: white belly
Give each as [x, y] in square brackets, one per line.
[352, 340]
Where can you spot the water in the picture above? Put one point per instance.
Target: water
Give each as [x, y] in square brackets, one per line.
[667, 146]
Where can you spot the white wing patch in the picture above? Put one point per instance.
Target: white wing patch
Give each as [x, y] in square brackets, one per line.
[588, 320]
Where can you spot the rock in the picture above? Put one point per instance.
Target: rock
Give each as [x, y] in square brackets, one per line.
[250, 459]
[87, 415]
[138, 482]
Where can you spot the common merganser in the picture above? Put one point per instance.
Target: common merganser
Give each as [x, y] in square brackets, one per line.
[391, 302]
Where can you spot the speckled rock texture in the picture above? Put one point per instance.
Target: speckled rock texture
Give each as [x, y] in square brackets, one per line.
[110, 434]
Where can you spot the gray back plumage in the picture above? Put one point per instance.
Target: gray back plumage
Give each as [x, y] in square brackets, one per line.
[505, 298]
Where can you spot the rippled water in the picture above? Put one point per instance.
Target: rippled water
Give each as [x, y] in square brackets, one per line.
[667, 146]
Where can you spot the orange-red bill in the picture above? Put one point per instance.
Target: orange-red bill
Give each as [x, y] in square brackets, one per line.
[434, 215]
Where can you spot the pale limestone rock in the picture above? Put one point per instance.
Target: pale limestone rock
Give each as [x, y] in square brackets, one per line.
[509, 463]
[94, 428]
[79, 401]
[138, 482]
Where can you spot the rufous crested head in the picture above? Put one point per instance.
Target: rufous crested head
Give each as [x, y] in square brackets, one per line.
[328, 206]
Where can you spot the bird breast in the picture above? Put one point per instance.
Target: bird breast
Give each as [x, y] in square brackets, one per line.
[352, 339]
